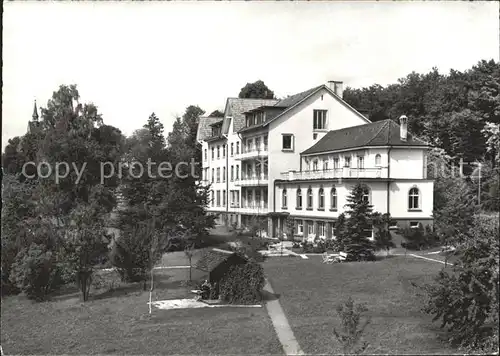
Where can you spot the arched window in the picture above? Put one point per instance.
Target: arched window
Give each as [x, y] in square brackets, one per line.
[283, 199]
[366, 194]
[333, 199]
[309, 198]
[321, 199]
[378, 160]
[299, 198]
[413, 199]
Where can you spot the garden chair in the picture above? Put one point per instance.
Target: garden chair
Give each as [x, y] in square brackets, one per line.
[342, 257]
[328, 259]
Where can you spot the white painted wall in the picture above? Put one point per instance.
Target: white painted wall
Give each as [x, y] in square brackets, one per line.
[299, 122]
[399, 199]
[378, 198]
[407, 163]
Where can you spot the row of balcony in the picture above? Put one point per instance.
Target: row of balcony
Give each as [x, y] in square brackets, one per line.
[251, 153]
[345, 172]
[246, 181]
[250, 208]
[253, 180]
[247, 154]
[251, 205]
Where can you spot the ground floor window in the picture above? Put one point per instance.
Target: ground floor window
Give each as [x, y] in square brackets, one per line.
[321, 229]
[414, 224]
[310, 227]
[333, 230]
[300, 227]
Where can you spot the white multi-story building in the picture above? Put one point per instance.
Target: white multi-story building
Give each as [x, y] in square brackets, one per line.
[299, 157]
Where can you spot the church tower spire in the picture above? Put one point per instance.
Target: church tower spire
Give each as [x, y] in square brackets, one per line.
[35, 113]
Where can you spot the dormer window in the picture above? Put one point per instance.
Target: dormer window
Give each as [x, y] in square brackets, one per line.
[216, 130]
[259, 118]
[250, 120]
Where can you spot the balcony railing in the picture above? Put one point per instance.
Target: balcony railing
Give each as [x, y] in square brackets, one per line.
[254, 205]
[251, 152]
[345, 172]
[253, 180]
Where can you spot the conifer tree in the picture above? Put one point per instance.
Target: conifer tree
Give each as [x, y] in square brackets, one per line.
[357, 226]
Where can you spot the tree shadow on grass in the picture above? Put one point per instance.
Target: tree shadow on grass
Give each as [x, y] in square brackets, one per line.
[384, 257]
[120, 291]
[267, 296]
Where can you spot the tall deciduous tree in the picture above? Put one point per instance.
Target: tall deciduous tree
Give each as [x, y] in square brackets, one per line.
[187, 199]
[216, 113]
[75, 134]
[67, 217]
[447, 110]
[466, 300]
[256, 90]
[86, 244]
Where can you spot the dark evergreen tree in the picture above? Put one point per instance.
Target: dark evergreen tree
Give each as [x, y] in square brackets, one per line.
[358, 226]
[383, 236]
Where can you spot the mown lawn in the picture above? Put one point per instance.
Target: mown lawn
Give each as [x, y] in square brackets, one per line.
[117, 322]
[309, 292]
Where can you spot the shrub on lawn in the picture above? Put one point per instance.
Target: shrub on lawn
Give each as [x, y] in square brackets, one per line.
[307, 247]
[35, 272]
[243, 284]
[136, 252]
[321, 246]
[334, 245]
[351, 330]
[419, 238]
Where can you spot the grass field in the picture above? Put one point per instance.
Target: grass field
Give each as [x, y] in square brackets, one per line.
[116, 319]
[117, 322]
[309, 292]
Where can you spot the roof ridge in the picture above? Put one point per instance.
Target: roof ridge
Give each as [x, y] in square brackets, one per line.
[379, 131]
[300, 93]
[233, 97]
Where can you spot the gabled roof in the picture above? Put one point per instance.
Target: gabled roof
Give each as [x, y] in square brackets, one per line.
[293, 100]
[296, 99]
[213, 258]
[204, 127]
[264, 107]
[235, 107]
[380, 133]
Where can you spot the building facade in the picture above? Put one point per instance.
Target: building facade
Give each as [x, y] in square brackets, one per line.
[269, 162]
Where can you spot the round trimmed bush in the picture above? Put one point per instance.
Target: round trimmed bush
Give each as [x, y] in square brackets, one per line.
[243, 284]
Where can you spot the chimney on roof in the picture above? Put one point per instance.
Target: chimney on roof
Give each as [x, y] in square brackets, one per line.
[403, 121]
[337, 87]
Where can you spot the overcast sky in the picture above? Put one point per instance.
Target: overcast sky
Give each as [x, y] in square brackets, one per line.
[134, 58]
